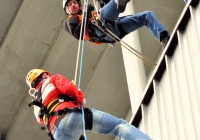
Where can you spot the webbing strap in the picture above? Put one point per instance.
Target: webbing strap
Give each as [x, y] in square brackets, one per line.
[46, 112]
[52, 105]
[37, 103]
[128, 47]
[88, 116]
[88, 119]
[63, 111]
[122, 32]
[92, 32]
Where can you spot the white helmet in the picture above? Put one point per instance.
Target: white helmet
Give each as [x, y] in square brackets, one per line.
[65, 1]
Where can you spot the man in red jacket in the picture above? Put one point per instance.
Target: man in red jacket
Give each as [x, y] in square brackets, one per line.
[58, 103]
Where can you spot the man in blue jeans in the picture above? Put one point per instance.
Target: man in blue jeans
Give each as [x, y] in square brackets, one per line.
[109, 13]
[57, 104]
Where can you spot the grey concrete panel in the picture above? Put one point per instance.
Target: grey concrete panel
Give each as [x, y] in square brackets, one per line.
[24, 48]
[8, 11]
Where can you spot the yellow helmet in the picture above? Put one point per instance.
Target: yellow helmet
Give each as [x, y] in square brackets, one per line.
[33, 74]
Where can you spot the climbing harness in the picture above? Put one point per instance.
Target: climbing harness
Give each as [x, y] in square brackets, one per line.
[47, 112]
[96, 21]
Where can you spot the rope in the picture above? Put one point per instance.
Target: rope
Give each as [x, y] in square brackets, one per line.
[128, 47]
[110, 34]
[79, 46]
[80, 70]
[95, 5]
[134, 51]
[81, 62]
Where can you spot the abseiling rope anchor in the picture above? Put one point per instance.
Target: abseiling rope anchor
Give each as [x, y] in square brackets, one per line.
[121, 42]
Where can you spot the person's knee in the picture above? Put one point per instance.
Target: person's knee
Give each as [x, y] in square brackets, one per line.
[151, 13]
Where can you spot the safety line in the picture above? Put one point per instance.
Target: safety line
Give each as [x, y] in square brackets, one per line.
[82, 50]
[81, 61]
[134, 51]
[79, 46]
[128, 47]
[81, 64]
[96, 5]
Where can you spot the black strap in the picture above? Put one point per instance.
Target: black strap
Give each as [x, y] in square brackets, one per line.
[65, 98]
[50, 135]
[87, 113]
[121, 30]
[37, 103]
[38, 94]
[96, 38]
[63, 111]
[88, 119]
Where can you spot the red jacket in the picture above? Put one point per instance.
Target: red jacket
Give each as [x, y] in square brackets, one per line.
[51, 88]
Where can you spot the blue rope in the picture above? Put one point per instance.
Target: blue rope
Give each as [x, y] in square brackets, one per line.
[82, 50]
[80, 70]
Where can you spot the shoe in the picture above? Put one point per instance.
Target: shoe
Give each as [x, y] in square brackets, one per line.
[121, 5]
[164, 41]
[164, 37]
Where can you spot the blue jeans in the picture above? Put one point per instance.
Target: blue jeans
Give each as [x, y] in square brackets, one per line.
[131, 23]
[70, 127]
